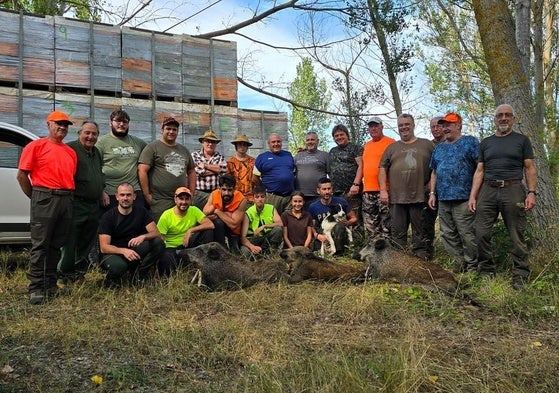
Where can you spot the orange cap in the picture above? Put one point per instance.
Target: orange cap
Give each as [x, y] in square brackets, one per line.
[182, 190]
[451, 117]
[59, 116]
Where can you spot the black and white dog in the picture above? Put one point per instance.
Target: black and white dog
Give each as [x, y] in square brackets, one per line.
[332, 219]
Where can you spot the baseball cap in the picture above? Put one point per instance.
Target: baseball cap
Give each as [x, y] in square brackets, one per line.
[59, 116]
[375, 119]
[170, 120]
[182, 190]
[451, 117]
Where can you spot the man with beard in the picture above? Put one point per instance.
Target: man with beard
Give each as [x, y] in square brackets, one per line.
[85, 208]
[226, 208]
[46, 175]
[182, 226]
[165, 165]
[405, 166]
[128, 239]
[318, 211]
[504, 159]
[120, 153]
[376, 215]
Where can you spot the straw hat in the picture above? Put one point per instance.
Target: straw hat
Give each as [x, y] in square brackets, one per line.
[241, 139]
[210, 136]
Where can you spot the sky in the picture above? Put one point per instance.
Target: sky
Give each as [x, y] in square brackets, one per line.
[265, 63]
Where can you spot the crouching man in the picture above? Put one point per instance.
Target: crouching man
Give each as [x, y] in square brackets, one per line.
[262, 226]
[128, 239]
[336, 237]
[182, 226]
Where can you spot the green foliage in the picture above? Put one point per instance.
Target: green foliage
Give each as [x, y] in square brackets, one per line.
[455, 64]
[309, 91]
[81, 9]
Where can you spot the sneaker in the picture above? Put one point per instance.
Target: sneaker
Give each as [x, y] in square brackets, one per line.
[37, 297]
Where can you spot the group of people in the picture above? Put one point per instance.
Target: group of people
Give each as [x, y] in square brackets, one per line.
[143, 202]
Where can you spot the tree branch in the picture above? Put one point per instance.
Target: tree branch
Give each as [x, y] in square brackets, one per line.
[248, 22]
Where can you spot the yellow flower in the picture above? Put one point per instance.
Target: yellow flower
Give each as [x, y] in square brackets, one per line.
[98, 380]
[433, 378]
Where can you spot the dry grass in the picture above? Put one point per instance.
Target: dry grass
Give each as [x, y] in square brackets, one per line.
[172, 337]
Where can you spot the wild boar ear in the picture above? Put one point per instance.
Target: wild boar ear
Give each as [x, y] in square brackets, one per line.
[214, 251]
[283, 253]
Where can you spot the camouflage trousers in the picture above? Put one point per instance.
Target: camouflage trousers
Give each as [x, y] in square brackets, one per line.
[376, 216]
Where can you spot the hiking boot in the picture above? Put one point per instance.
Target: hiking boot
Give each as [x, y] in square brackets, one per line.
[37, 298]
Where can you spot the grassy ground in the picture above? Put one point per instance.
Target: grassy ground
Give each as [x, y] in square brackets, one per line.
[170, 336]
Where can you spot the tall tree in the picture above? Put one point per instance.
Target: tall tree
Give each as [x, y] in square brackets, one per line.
[510, 85]
[310, 92]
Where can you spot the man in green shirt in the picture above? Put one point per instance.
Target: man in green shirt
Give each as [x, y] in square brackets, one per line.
[262, 226]
[89, 183]
[182, 226]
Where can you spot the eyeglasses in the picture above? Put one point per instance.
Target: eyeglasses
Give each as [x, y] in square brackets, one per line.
[505, 114]
[210, 142]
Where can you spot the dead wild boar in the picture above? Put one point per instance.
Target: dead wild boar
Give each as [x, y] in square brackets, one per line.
[306, 265]
[387, 263]
[220, 269]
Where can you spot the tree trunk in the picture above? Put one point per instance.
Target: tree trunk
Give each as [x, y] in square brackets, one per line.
[510, 85]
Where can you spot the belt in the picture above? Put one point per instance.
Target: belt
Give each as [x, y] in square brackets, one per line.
[501, 183]
[61, 192]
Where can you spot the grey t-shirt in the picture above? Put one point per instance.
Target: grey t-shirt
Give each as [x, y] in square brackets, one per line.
[310, 168]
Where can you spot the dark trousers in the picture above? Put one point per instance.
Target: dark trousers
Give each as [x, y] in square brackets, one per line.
[117, 265]
[509, 202]
[404, 214]
[50, 221]
[85, 220]
[222, 232]
[170, 260]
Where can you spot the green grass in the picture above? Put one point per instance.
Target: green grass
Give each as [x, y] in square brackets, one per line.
[170, 336]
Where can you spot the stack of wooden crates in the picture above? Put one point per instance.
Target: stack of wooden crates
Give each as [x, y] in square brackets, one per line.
[90, 69]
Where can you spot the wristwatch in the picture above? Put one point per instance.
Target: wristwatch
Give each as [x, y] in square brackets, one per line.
[532, 192]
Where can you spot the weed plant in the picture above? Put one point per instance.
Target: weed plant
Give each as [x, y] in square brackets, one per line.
[171, 336]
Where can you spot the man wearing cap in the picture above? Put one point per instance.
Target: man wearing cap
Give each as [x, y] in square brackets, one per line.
[504, 159]
[453, 164]
[241, 166]
[163, 166]
[376, 215]
[85, 208]
[128, 239]
[182, 226]
[120, 152]
[275, 170]
[209, 165]
[346, 168]
[226, 208]
[46, 175]
[405, 166]
[311, 164]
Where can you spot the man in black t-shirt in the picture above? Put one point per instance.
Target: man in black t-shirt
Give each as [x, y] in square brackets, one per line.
[128, 239]
[505, 159]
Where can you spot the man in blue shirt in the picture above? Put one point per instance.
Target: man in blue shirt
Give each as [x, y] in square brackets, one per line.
[453, 164]
[276, 171]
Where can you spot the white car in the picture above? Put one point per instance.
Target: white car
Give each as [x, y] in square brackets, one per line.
[14, 206]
